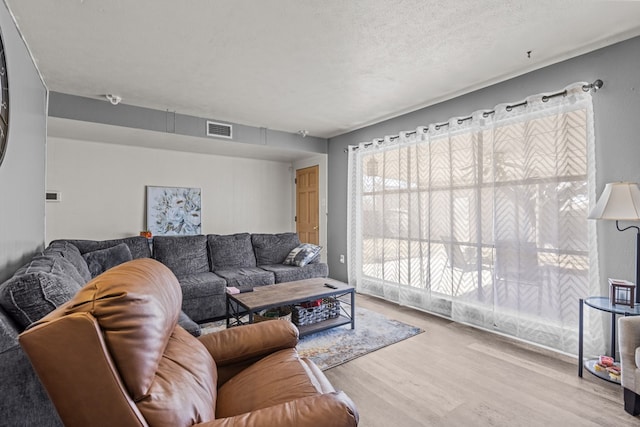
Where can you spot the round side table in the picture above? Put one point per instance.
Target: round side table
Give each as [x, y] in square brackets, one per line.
[602, 304]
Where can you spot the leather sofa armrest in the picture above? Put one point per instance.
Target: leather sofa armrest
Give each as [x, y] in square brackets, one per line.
[629, 342]
[248, 343]
[327, 410]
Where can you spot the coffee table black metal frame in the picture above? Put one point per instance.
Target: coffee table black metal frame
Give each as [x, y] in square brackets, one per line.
[602, 304]
[238, 309]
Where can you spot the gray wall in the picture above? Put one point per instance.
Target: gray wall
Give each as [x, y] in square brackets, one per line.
[99, 111]
[617, 128]
[22, 174]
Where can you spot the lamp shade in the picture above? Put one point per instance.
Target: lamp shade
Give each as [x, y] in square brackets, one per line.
[619, 201]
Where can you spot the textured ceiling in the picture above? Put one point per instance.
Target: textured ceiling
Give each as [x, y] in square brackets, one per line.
[326, 66]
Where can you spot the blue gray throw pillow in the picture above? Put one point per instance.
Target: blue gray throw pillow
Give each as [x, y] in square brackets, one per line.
[303, 255]
[103, 259]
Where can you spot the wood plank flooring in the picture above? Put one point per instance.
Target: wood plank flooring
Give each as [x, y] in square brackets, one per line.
[456, 375]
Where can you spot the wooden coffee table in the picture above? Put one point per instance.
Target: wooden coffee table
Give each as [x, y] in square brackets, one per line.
[240, 306]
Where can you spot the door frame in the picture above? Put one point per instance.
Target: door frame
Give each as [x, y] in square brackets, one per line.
[321, 161]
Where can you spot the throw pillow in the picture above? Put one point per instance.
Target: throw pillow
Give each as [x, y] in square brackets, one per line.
[303, 255]
[273, 248]
[37, 290]
[103, 259]
[73, 255]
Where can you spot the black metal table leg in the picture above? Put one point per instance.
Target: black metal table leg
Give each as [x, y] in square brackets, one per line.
[580, 339]
[353, 309]
[613, 335]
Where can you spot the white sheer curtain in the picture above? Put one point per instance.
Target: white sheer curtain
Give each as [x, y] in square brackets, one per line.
[484, 219]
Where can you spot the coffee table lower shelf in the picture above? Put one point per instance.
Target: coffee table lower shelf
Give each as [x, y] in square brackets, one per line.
[325, 324]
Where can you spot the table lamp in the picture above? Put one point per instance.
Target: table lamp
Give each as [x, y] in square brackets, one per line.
[620, 201]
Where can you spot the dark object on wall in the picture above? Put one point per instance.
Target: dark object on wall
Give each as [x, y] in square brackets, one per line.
[4, 102]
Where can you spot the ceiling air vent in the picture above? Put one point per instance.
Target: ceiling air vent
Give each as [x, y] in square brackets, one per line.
[219, 130]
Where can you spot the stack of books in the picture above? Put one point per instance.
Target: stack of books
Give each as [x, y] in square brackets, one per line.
[607, 364]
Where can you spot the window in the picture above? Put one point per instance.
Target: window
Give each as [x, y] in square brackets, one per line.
[483, 220]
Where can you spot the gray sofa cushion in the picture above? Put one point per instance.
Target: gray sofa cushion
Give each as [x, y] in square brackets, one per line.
[273, 248]
[138, 245]
[245, 278]
[37, 289]
[201, 285]
[183, 255]
[103, 259]
[289, 273]
[203, 296]
[73, 255]
[230, 251]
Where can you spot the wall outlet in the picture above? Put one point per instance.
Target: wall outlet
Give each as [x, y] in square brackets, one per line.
[341, 259]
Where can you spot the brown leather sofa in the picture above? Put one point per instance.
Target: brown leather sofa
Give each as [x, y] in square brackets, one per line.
[114, 355]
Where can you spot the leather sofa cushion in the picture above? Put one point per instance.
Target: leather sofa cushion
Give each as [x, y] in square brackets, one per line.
[36, 289]
[231, 251]
[183, 391]
[273, 248]
[289, 273]
[71, 253]
[134, 304]
[247, 278]
[278, 378]
[184, 255]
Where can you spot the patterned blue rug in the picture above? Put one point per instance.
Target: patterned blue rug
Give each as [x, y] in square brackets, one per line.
[339, 345]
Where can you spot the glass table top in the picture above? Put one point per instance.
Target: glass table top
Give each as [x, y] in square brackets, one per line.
[604, 304]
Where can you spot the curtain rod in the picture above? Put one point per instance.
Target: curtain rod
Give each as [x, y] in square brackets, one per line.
[598, 84]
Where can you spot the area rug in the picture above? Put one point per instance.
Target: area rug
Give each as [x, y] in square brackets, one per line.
[336, 346]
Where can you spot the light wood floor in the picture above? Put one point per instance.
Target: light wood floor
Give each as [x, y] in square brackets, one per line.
[456, 375]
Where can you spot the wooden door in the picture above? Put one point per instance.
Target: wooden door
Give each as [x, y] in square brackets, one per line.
[307, 221]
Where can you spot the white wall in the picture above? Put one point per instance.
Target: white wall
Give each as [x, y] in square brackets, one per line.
[321, 162]
[22, 174]
[103, 189]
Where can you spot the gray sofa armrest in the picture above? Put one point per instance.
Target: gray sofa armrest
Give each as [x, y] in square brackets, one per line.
[24, 401]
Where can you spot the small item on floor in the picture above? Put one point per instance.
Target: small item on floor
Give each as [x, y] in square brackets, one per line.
[232, 290]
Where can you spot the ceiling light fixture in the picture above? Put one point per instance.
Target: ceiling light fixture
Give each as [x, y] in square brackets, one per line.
[114, 99]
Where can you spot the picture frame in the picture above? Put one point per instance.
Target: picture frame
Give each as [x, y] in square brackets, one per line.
[174, 211]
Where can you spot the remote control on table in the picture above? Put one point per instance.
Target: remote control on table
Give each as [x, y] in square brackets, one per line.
[329, 285]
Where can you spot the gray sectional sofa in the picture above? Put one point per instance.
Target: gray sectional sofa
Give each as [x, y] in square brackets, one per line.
[204, 266]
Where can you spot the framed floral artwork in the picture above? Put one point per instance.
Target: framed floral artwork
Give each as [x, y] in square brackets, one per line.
[173, 211]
